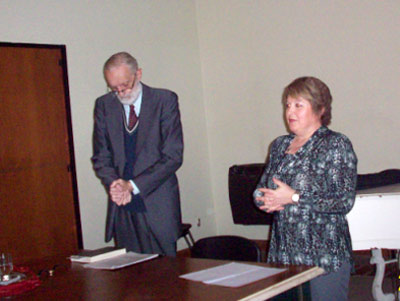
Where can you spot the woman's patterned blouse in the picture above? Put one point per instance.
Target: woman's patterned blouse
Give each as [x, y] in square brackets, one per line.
[324, 172]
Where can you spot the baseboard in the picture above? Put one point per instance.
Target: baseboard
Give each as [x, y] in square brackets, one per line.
[183, 253]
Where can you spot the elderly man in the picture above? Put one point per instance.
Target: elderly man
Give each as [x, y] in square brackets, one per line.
[137, 148]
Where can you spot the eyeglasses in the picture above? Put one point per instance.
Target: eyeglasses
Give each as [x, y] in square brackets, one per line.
[124, 87]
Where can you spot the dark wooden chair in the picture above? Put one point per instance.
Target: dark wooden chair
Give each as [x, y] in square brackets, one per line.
[187, 235]
[226, 247]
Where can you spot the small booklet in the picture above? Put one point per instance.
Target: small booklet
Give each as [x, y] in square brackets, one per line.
[120, 261]
[87, 256]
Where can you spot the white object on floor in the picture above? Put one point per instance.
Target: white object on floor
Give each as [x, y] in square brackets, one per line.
[373, 224]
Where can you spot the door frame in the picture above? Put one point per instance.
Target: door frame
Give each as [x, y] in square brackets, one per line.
[72, 166]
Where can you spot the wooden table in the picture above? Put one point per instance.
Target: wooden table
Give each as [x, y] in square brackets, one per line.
[158, 279]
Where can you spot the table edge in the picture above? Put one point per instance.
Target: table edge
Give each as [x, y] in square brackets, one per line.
[285, 285]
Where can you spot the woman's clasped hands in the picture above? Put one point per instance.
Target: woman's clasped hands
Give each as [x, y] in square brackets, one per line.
[276, 199]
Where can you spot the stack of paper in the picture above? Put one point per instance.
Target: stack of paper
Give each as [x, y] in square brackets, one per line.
[120, 261]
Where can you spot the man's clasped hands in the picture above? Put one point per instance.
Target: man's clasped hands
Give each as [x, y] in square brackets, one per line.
[121, 192]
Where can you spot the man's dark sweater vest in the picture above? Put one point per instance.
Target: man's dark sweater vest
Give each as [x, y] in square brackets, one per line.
[137, 204]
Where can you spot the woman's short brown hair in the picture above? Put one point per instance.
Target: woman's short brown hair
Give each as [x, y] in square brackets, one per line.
[315, 91]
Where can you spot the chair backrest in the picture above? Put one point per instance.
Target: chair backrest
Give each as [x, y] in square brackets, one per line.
[226, 247]
[242, 180]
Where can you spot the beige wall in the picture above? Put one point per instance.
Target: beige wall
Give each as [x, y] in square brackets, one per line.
[162, 35]
[228, 61]
[251, 49]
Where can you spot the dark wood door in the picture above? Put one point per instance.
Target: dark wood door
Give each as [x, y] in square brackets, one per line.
[39, 213]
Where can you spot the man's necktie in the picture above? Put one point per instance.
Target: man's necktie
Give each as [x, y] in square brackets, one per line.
[132, 117]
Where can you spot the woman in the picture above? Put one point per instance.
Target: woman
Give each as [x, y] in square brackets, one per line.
[309, 184]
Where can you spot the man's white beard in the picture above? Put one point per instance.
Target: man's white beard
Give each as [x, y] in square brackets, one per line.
[131, 97]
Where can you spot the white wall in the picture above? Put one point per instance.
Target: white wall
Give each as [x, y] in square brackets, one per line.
[228, 61]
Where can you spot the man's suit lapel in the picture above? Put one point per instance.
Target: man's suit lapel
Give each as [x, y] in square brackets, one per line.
[117, 133]
[144, 120]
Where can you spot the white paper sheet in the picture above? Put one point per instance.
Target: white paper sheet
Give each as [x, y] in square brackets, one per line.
[232, 274]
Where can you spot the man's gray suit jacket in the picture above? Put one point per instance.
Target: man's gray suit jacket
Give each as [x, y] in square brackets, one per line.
[159, 153]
